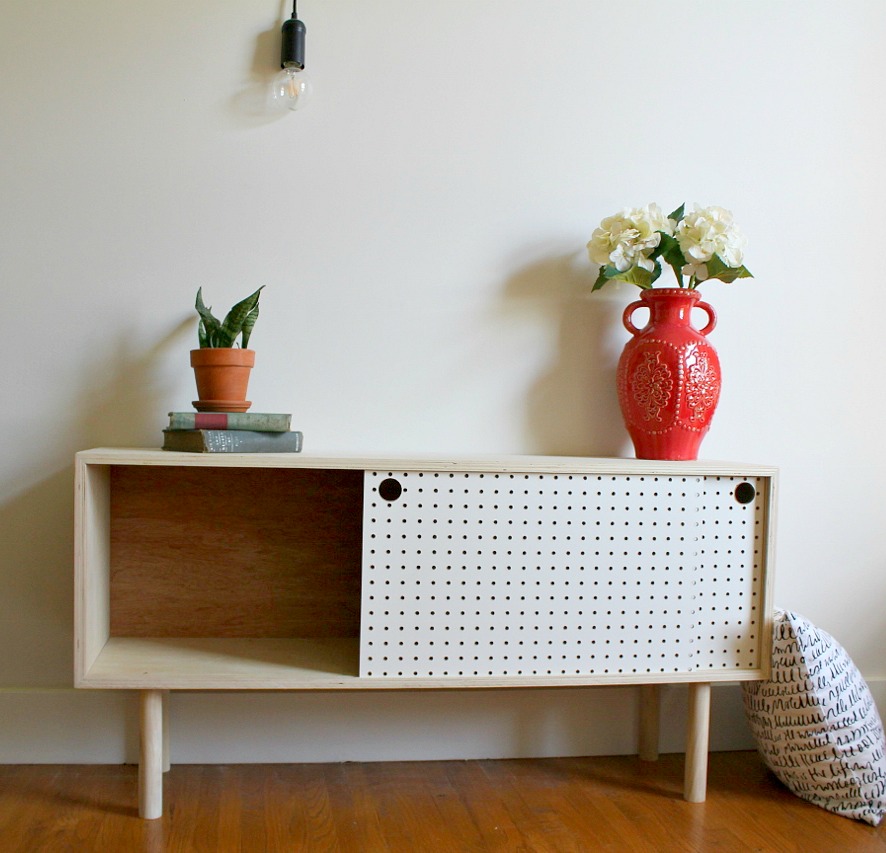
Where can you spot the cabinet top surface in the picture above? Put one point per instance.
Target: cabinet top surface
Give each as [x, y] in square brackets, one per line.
[431, 462]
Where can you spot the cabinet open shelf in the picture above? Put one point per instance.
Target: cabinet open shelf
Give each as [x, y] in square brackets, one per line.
[232, 663]
[200, 576]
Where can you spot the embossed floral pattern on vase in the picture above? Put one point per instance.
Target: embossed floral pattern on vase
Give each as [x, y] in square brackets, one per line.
[652, 386]
[702, 383]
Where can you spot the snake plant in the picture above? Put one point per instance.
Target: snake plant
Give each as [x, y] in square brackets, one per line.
[238, 322]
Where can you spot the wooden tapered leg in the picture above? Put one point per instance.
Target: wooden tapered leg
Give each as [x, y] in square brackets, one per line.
[648, 746]
[166, 759]
[696, 776]
[150, 767]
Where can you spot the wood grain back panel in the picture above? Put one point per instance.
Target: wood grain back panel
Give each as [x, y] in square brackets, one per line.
[235, 552]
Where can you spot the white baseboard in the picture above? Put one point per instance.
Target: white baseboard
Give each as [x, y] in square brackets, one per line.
[69, 726]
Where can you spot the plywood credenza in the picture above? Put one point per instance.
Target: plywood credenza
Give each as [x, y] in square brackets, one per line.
[293, 572]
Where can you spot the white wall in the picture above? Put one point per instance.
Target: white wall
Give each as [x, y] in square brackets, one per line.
[420, 229]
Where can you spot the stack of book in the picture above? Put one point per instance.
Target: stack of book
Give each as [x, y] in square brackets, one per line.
[231, 432]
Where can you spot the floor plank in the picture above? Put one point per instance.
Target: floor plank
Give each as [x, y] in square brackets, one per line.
[564, 805]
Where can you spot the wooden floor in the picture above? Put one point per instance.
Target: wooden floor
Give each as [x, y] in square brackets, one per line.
[570, 804]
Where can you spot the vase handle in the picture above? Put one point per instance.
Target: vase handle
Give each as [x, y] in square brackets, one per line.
[712, 318]
[628, 312]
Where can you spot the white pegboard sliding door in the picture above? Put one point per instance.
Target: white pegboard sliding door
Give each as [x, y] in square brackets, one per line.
[729, 578]
[507, 574]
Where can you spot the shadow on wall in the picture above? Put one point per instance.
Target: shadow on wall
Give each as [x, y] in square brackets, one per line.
[127, 401]
[123, 401]
[36, 528]
[252, 106]
[572, 408]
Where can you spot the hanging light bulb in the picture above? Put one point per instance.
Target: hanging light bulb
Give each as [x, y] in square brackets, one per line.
[292, 86]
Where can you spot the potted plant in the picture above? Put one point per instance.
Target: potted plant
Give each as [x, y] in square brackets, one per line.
[220, 367]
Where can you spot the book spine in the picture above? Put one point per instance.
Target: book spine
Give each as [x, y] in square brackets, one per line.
[255, 421]
[231, 441]
[251, 441]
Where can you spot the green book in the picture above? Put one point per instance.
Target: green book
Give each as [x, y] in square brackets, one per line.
[231, 441]
[256, 421]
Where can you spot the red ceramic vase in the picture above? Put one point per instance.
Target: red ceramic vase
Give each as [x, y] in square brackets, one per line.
[668, 375]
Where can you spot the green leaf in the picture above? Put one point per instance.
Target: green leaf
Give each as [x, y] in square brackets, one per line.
[677, 215]
[602, 278]
[240, 319]
[235, 319]
[673, 255]
[209, 324]
[248, 323]
[635, 275]
[655, 273]
[717, 269]
[224, 338]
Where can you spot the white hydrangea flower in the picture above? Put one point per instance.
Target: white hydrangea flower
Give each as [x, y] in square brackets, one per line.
[706, 232]
[698, 271]
[626, 239]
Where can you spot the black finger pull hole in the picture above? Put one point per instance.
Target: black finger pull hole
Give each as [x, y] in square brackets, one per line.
[745, 493]
[390, 489]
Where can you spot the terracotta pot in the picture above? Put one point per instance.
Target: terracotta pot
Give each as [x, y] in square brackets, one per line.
[668, 375]
[222, 376]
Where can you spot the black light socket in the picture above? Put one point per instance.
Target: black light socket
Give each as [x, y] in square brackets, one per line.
[292, 52]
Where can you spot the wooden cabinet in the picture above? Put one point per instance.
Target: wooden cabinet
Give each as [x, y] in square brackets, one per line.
[292, 572]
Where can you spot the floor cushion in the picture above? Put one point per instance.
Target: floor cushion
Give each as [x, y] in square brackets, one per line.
[816, 724]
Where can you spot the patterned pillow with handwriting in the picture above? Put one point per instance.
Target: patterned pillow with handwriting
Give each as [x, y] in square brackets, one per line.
[816, 724]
